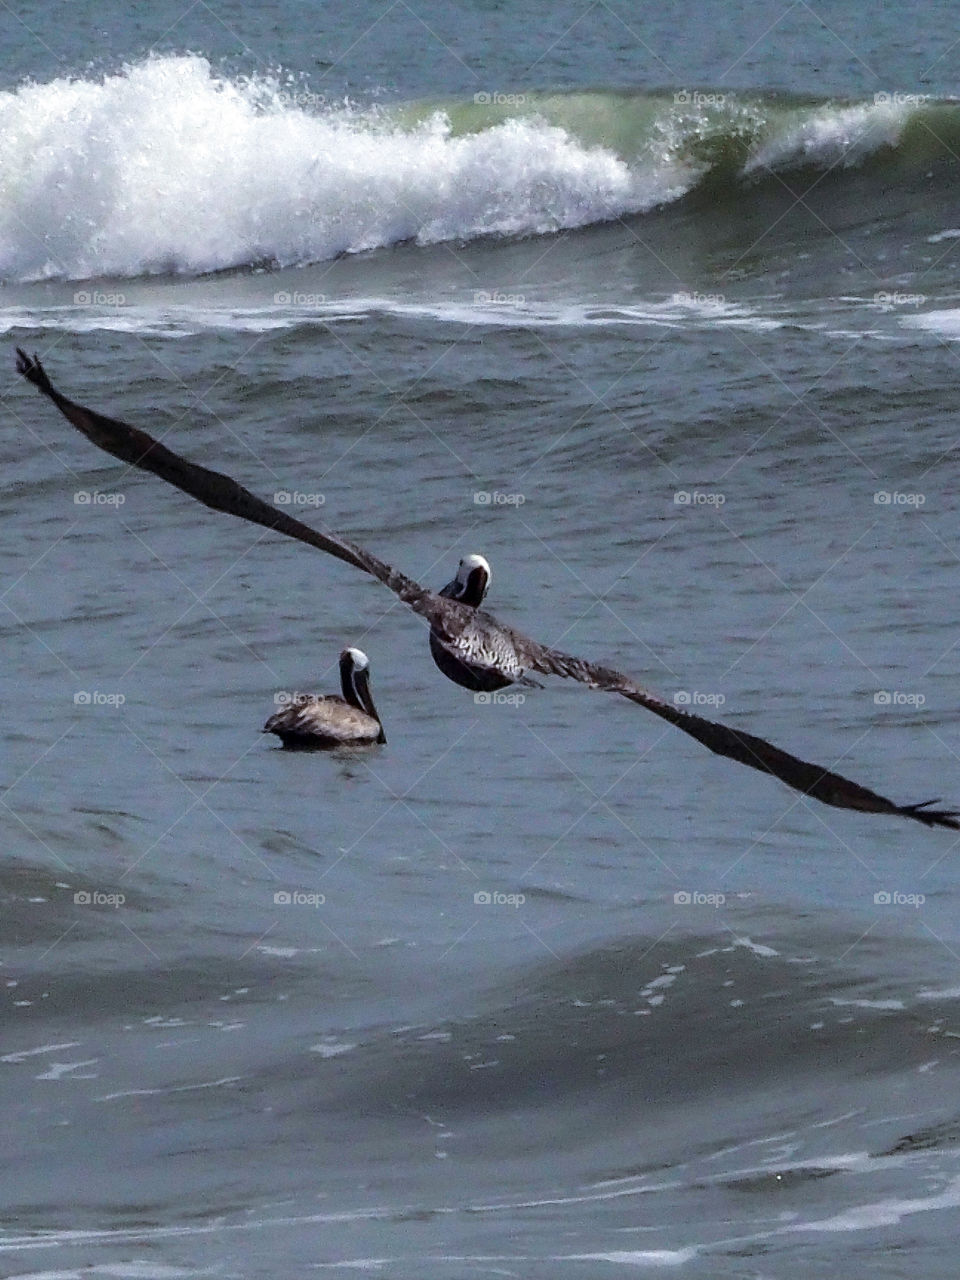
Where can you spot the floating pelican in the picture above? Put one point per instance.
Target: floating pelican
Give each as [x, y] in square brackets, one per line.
[327, 720]
[469, 644]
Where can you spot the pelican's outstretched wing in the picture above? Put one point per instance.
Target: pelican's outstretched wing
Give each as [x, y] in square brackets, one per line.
[212, 488]
[811, 779]
[221, 493]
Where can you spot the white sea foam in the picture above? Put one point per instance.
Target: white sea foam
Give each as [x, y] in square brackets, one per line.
[182, 320]
[167, 167]
[634, 1257]
[884, 1213]
[57, 1070]
[122, 1270]
[180, 1088]
[867, 1004]
[758, 948]
[944, 322]
[332, 1049]
[44, 1048]
[841, 136]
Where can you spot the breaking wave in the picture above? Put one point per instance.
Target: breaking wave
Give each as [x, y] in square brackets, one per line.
[169, 167]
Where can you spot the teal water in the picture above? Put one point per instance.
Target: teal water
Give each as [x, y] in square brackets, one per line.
[666, 328]
[430, 48]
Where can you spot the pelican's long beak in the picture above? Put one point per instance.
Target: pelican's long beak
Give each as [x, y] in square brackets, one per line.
[361, 682]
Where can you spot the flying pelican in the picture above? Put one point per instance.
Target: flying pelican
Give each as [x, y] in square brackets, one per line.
[467, 658]
[327, 720]
[485, 649]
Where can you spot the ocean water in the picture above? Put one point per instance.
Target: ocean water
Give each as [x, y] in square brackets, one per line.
[661, 317]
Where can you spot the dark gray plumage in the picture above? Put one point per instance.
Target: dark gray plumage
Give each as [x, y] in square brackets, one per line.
[476, 656]
[327, 720]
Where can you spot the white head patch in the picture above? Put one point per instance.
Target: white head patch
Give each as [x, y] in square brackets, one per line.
[358, 658]
[467, 566]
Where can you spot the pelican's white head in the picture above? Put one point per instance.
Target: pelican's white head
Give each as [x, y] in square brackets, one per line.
[357, 658]
[471, 583]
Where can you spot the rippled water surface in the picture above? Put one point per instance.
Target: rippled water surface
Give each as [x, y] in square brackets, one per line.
[664, 326]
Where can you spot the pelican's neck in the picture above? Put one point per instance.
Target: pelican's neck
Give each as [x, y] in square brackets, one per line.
[355, 683]
[349, 676]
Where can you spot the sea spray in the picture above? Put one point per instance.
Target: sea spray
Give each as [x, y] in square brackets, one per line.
[167, 166]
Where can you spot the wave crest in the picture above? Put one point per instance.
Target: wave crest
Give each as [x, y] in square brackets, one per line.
[167, 167]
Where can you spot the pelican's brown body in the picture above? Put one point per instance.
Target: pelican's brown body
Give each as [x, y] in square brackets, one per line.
[328, 720]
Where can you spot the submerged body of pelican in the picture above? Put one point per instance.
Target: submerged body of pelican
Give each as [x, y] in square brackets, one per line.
[468, 644]
[329, 720]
